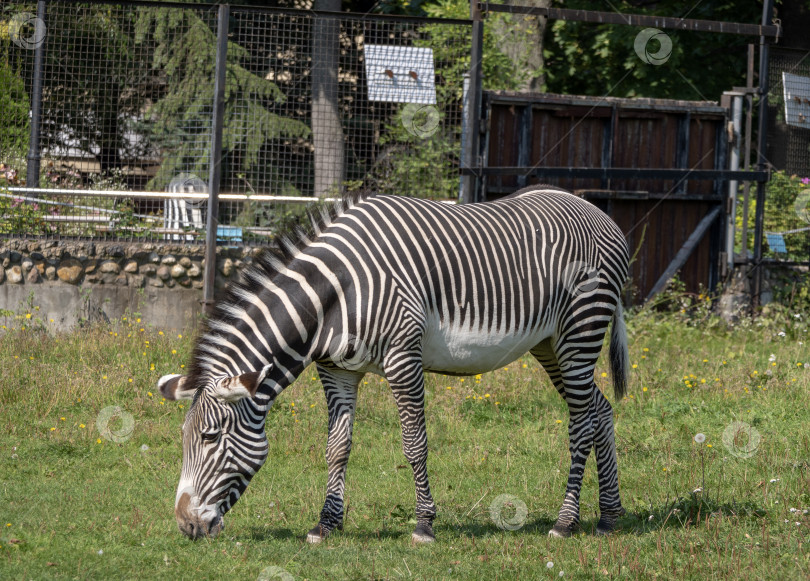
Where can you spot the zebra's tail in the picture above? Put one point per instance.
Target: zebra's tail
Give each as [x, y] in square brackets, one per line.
[619, 357]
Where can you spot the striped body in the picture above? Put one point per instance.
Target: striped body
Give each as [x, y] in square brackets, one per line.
[400, 286]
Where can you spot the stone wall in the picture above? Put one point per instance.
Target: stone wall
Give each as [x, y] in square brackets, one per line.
[74, 281]
[779, 283]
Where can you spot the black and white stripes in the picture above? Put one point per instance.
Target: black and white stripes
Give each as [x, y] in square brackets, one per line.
[400, 286]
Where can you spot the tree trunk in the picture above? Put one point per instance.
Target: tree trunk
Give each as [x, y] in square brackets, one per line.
[327, 131]
[521, 39]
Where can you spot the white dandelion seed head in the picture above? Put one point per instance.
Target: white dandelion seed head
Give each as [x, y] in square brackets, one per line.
[550, 564]
[700, 437]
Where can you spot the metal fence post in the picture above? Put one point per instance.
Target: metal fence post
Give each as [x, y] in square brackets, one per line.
[734, 164]
[215, 168]
[470, 184]
[762, 136]
[33, 160]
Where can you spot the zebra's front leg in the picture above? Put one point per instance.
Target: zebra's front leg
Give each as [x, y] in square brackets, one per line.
[610, 504]
[340, 387]
[408, 387]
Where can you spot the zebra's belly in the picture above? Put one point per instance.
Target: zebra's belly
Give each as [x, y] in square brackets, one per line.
[465, 352]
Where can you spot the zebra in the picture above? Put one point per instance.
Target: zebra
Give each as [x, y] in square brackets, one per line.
[399, 286]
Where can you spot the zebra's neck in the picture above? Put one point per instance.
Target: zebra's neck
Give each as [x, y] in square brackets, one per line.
[276, 320]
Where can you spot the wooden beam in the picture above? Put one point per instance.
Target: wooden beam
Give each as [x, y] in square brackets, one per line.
[685, 252]
[649, 20]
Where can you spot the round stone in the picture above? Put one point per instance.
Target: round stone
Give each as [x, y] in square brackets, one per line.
[15, 274]
[70, 271]
[110, 267]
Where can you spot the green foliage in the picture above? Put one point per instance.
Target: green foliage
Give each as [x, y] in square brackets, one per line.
[420, 163]
[498, 71]
[18, 216]
[588, 59]
[787, 208]
[13, 110]
[186, 53]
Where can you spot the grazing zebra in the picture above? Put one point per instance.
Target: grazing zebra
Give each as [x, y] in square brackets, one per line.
[399, 286]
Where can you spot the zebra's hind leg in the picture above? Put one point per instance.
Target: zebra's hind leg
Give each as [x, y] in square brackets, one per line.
[610, 504]
[573, 379]
[407, 382]
[340, 387]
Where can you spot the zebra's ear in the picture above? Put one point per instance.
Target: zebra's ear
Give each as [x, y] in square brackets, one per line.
[233, 389]
[173, 387]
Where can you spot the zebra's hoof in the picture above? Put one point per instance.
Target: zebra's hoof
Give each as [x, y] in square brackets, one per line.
[423, 533]
[317, 535]
[607, 521]
[562, 531]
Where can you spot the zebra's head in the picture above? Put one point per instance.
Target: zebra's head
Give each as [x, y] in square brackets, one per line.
[224, 445]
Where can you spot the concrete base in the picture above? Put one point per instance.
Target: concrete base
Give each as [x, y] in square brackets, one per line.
[70, 306]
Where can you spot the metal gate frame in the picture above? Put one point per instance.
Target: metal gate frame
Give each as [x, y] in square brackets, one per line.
[474, 172]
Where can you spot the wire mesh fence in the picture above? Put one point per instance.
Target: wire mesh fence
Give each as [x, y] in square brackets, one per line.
[787, 205]
[315, 104]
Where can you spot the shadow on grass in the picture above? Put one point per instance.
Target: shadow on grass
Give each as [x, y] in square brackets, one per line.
[539, 526]
[258, 533]
[693, 510]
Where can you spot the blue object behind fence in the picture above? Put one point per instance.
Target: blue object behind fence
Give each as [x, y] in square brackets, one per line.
[776, 242]
[229, 234]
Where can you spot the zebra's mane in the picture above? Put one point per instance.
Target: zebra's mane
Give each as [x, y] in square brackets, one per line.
[291, 239]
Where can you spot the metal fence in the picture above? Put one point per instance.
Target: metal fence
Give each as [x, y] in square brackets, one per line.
[113, 126]
[787, 206]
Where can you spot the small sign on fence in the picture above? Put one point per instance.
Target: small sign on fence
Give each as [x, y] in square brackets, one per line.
[400, 74]
[797, 100]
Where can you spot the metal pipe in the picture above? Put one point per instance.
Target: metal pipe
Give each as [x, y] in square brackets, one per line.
[215, 170]
[169, 195]
[762, 162]
[734, 165]
[33, 161]
[749, 111]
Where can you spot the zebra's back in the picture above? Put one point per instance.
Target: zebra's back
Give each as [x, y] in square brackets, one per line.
[486, 282]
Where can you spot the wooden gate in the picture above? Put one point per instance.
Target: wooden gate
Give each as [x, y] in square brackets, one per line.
[650, 164]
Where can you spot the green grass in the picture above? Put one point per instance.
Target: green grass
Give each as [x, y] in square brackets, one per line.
[67, 493]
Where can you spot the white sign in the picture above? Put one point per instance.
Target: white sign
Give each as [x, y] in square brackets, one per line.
[400, 74]
[797, 100]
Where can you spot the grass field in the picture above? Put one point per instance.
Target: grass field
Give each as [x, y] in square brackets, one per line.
[75, 504]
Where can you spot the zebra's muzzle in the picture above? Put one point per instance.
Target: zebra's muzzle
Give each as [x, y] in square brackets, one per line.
[194, 523]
